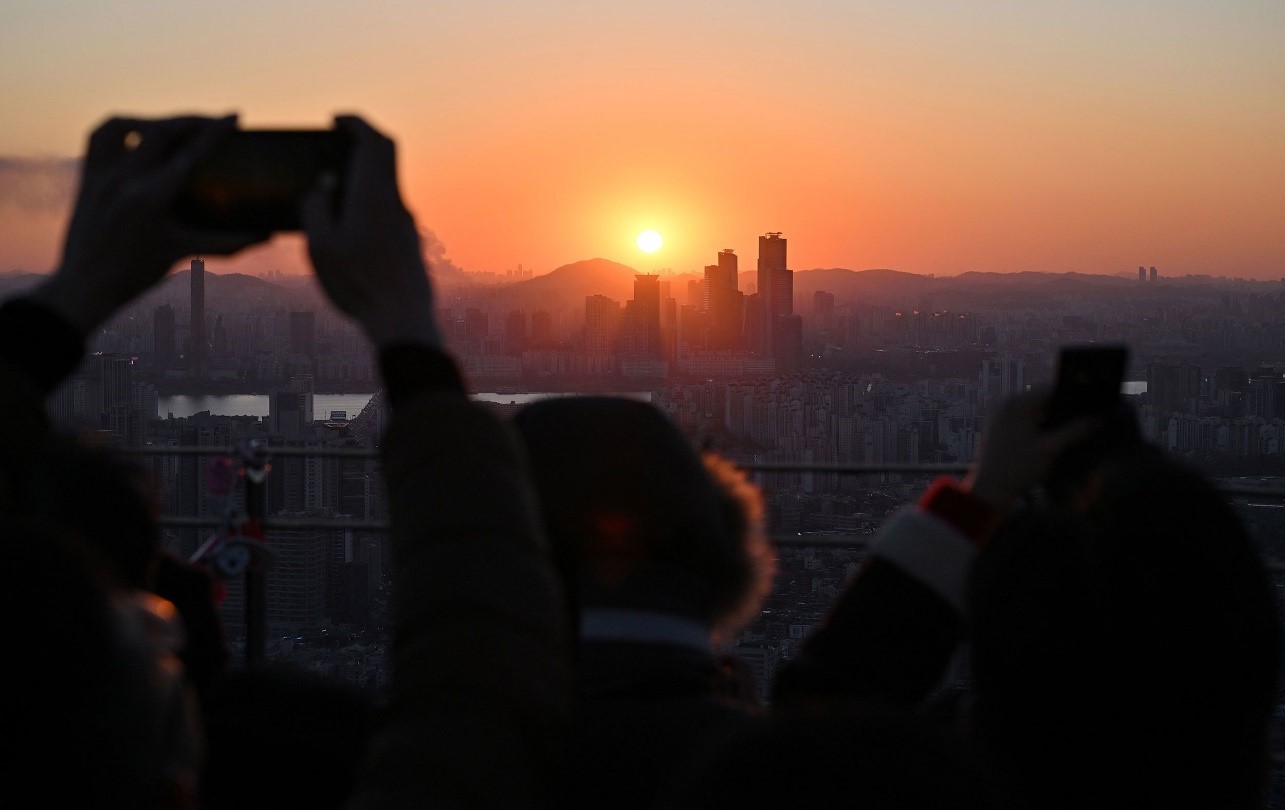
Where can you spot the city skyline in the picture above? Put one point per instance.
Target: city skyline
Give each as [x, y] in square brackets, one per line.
[934, 139]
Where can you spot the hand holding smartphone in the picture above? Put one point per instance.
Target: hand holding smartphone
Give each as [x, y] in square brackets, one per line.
[254, 180]
[1089, 379]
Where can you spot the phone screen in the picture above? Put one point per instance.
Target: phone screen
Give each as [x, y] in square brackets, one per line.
[1089, 379]
[253, 180]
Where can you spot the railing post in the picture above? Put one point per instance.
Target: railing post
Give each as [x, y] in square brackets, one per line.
[255, 466]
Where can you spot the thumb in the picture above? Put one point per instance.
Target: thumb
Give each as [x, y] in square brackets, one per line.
[314, 208]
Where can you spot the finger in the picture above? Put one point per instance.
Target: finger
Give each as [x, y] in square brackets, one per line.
[109, 143]
[372, 170]
[315, 209]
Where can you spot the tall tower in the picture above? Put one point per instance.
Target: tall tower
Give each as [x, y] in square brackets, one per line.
[646, 311]
[196, 361]
[725, 302]
[727, 270]
[1142, 274]
[1153, 274]
[776, 286]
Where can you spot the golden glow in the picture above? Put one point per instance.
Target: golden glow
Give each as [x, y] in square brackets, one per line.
[649, 241]
[932, 138]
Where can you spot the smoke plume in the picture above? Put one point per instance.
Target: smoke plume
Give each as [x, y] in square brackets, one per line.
[38, 185]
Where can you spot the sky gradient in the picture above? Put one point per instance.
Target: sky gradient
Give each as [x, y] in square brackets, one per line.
[928, 137]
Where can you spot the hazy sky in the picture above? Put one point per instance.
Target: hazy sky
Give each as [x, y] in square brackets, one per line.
[929, 137]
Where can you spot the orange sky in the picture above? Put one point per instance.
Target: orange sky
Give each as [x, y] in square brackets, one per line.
[935, 139]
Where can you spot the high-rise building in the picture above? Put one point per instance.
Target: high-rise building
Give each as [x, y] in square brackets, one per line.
[781, 334]
[724, 275]
[601, 322]
[1153, 274]
[1142, 274]
[515, 330]
[698, 293]
[775, 286]
[823, 304]
[541, 329]
[725, 302]
[645, 329]
[303, 332]
[1001, 378]
[164, 333]
[196, 334]
[1172, 385]
[297, 578]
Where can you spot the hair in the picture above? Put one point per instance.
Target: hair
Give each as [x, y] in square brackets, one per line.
[104, 501]
[91, 719]
[634, 516]
[1126, 654]
[744, 517]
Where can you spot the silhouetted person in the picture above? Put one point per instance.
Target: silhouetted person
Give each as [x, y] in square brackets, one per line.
[894, 630]
[95, 713]
[661, 553]
[99, 498]
[1124, 635]
[1126, 647]
[481, 691]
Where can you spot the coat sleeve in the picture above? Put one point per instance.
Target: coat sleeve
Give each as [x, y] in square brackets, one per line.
[480, 695]
[893, 631]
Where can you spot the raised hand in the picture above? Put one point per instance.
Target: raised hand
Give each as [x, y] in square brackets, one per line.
[123, 237]
[1017, 451]
[367, 254]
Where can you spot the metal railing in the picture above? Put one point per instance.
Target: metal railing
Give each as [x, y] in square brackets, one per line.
[833, 539]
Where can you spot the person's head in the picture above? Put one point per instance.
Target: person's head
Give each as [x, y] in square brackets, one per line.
[745, 518]
[1126, 652]
[101, 499]
[636, 519]
[96, 713]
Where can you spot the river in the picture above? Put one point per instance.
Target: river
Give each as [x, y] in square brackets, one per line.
[182, 405]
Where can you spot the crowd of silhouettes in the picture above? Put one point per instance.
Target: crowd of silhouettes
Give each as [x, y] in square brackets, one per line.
[565, 580]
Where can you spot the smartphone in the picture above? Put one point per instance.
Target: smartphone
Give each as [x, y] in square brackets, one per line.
[253, 180]
[1089, 380]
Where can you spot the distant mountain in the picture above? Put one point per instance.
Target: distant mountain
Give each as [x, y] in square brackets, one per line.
[237, 286]
[232, 287]
[18, 281]
[572, 282]
[1026, 277]
[860, 285]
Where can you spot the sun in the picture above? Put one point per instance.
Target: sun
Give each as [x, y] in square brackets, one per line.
[649, 241]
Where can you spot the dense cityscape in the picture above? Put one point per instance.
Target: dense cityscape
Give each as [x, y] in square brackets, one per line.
[824, 367]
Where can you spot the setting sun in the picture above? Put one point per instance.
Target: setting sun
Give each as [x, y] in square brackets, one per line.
[649, 241]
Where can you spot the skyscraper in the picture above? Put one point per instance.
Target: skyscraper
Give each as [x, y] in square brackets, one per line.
[164, 332]
[303, 332]
[601, 320]
[1142, 274]
[196, 336]
[725, 303]
[646, 315]
[515, 330]
[775, 286]
[1153, 274]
